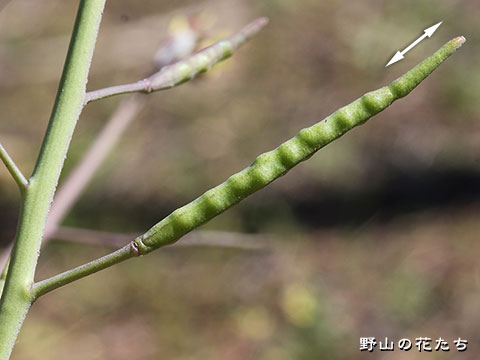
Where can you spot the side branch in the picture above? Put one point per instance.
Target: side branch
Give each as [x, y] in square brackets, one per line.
[195, 239]
[185, 70]
[13, 169]
[265, 169]
[122, 254]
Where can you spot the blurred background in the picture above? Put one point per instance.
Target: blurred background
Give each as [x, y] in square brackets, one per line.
[376, 235]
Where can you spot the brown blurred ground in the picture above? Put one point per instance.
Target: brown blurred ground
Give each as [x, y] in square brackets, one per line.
[376, 234]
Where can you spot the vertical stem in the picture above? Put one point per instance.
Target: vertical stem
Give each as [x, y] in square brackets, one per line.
[16, 298]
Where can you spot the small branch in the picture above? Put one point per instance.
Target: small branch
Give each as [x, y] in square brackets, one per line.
[13, 169]
[225, 239]
[185, 70]
[91, 237]
[67, 277]
[221, 239]
[199, 238]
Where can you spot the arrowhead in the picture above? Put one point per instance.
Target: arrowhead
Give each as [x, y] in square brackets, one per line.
[432, 29]
[397, 57]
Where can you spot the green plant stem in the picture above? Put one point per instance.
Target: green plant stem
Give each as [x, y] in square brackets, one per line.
[17, 296]
[185, 70]
[266, 168]
[13, 170]
[122, 254]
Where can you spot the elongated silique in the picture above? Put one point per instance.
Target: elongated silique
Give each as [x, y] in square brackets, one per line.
[273, 164]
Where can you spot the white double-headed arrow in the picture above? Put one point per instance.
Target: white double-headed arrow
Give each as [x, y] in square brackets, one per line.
[427, 33]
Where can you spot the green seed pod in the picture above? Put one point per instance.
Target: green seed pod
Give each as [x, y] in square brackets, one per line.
[273, 164]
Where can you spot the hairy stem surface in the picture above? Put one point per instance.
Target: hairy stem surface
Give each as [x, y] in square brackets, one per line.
[266, 168]
[17, 296]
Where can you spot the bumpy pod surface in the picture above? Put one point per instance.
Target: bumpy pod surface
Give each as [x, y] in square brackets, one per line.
[273, 164]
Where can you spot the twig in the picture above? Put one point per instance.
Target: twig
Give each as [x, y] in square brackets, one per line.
[225, 239]
[13, 169]
[266, 168]
[222, 239]
[124, 253]
[184, 70]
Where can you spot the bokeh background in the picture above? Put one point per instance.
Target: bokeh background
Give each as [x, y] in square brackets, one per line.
[376, 235]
